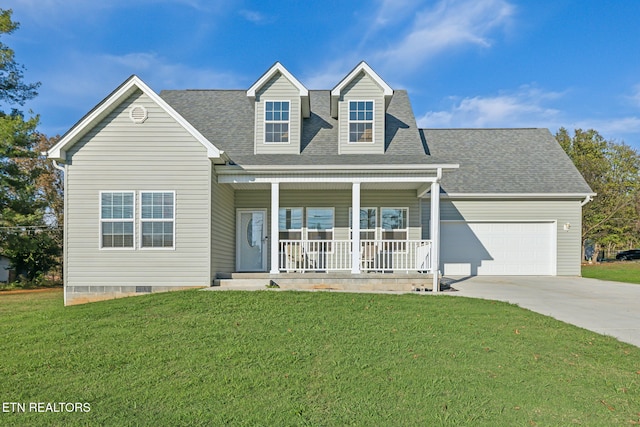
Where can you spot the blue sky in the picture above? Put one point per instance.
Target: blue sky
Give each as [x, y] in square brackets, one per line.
[465, 63]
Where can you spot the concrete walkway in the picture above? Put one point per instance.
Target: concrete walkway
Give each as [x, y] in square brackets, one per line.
[608, 308]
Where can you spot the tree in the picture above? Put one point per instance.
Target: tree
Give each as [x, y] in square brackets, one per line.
[13, 90]
[612, 170]
[25, 235]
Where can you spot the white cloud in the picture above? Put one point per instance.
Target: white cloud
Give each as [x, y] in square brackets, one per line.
[253, 16]
[522, 108]
[88, 78]
[612, 127]
[449, 24]
[53, 13]
[635, 95]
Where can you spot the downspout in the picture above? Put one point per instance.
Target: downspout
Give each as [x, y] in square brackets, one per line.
[587, 199]
[63, 169]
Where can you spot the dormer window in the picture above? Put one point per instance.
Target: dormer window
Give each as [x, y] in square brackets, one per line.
[276, 122]
[360, 121]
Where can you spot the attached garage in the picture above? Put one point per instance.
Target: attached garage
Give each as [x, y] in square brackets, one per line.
[479, 248]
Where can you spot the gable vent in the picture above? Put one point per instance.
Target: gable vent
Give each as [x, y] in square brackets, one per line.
[138, 114]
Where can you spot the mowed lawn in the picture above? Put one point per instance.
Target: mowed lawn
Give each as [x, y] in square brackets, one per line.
[273, 358]
[619, 271]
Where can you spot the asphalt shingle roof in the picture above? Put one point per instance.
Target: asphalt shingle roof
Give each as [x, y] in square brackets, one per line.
[491, 160]
[504, 161]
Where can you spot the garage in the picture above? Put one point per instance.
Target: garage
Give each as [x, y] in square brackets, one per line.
[469, 248]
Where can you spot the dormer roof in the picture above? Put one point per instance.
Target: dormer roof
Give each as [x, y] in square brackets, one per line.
[273, 71]
[362, 67]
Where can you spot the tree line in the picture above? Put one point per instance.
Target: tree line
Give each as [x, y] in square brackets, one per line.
[611, 222]
[31, 188]
[31, 206]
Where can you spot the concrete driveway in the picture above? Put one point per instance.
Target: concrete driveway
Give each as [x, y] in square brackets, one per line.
[608, 308]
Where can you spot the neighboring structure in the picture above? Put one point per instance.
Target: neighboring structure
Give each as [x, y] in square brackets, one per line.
[5, 265]
[174, 190]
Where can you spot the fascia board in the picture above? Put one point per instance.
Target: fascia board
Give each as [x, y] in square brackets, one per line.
[337, 168]
[515, 195]
[58, 151]
[302, 90]
[277, 67]
[362, 66]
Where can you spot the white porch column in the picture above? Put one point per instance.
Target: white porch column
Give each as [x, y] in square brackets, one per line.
[355, 228]
[274, 237]
[435, 233]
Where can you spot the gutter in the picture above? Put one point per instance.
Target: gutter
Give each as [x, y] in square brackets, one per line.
[587, 197]
[346, 168]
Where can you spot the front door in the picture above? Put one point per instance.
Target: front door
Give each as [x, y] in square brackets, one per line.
[251, 254]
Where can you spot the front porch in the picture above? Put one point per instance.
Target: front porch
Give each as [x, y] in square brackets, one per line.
[322, 226]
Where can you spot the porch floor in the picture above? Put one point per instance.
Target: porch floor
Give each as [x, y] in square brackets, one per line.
[337, 281]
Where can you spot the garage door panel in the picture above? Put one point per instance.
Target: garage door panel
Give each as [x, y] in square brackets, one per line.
[499, 248]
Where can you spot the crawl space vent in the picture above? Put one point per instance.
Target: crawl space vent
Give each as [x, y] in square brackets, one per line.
[138, 114]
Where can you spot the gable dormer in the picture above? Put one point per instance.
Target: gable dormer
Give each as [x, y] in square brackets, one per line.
[359, 102]
[281, 102]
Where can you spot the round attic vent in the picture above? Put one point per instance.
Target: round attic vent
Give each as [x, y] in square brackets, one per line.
[138, 114]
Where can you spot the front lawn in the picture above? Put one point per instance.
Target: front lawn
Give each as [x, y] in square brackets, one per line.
[308, 358]
[618, 271]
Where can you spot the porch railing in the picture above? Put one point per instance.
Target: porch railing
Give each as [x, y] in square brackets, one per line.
[335, 255]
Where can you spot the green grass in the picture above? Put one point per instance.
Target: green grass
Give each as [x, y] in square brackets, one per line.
[301, 358]
[620, 271]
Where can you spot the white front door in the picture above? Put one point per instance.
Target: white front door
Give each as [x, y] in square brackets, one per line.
[251, 254]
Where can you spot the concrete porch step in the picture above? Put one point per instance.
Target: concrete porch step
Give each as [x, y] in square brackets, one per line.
[338, 281]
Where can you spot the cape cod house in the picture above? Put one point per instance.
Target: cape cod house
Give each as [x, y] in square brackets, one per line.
[187, 188]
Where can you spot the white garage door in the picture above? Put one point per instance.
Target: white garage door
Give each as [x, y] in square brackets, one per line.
[497, 248]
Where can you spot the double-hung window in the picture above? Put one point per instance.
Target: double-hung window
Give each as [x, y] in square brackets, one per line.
[368, 223]
[360, 121]
[290, 223]
[320, 227]
[276, 121]
[116, 219]
[394, 225]
[157, 212]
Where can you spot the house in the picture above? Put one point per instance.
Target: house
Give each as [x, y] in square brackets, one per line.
[187, 187]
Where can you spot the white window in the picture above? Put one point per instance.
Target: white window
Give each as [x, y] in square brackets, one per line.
[116, 219]
[360, 121]
[157, 213]
[368, 222]
[320, 229]
[290, 223]
[276, 121]
[394, 224]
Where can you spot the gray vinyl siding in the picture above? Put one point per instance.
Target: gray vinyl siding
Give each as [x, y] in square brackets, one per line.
[118, 155]
[338, 199]
[568, 243]
[223, 228]
[362, 88]
[279, 89]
